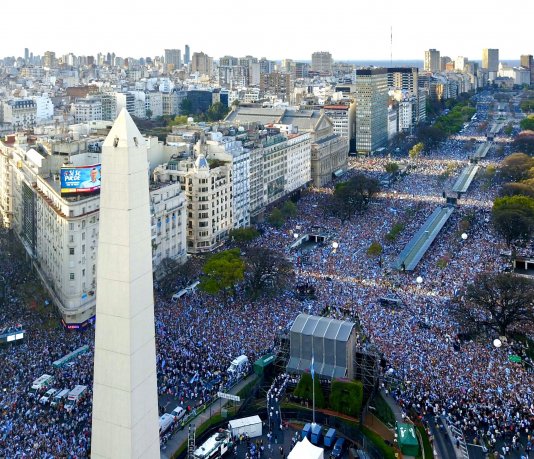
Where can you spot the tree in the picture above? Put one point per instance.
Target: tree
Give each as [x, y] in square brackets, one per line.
[267, 271]
[276, 218]
[524, 142]
[513, 217]
[289, 209]
[243, 235]
[148, 113]
[172, 276]
[304, 390]
[527, 124]
[496, 302]
[217, 112]
[222, 272]
[186, 107]
[416, 150]
[513, 189]
[353, 196]
[375, 249]
[346, 397]
[391, 168]
[516, 167]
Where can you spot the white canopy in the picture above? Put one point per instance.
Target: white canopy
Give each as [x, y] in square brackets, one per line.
[305, 450]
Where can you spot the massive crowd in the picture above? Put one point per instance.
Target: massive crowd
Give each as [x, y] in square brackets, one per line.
[198, 336]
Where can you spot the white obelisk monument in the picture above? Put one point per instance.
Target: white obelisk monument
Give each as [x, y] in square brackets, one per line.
[125, 404]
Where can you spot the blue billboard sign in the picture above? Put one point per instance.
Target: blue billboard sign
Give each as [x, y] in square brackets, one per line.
[82, 179]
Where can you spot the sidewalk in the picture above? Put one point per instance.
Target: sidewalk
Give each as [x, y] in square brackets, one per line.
[180, 437]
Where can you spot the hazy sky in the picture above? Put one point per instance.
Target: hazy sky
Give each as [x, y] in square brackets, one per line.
[276, 30]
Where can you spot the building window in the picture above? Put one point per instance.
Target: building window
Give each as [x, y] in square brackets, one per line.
[71, 276]
[71, 251]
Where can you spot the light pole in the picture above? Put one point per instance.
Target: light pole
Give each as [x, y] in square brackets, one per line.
[464, 236]
[419, 280]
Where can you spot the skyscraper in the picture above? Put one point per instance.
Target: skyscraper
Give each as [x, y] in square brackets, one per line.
[432, 61]
[201, 63]
[322, 63]
[490, 59]
[371, 97]
[527, 63]
[173, 57]
[125, 404]
[187, 55]
[26, 56]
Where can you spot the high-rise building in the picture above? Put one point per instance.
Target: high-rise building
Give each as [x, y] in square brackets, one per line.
[187, 55]
[432, 61]
[125, 394]
[201, 63]
[527, 63]
[371, 96]
[322, 63]
[26, 56]
[173, 57]
[49, 59]
[490, 59]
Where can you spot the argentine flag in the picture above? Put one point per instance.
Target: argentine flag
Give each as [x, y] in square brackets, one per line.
[312, 370]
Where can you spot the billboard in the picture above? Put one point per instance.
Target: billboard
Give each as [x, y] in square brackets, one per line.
[83, 179]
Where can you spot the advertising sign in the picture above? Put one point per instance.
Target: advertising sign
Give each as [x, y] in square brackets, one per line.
[84, 179]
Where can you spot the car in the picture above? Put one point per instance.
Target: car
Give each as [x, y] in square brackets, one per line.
[178, 413]
[49, 395]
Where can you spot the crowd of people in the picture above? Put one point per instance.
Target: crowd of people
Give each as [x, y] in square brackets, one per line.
[198, 336]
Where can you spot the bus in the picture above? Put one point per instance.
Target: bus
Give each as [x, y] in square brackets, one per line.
[64, 360]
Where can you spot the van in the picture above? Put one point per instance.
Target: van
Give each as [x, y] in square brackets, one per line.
[338, 448]
[61, 395]
[178, 413]
[238, 364]
[47, 396]
[165, 422]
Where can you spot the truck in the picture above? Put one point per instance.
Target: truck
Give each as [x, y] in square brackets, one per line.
[238, 364]
[75, 395]
[42, 382]
[61, 395]
[338, 448]
[215, 446]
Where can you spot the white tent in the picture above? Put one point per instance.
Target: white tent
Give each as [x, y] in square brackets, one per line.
[305, 450]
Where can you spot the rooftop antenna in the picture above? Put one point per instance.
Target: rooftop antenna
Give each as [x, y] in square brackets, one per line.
[391, 46]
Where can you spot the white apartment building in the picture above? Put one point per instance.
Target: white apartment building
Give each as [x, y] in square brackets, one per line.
[298, 160]
[208, 191]
[343, 118]
[20, 113]
[229, 150]
[154, 103]
[87, 109]
[60, 232]
[44, 108]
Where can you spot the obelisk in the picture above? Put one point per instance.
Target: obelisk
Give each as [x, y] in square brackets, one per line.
[125, 404]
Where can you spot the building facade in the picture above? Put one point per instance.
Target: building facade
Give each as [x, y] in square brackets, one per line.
[432, 61]
[371, 96]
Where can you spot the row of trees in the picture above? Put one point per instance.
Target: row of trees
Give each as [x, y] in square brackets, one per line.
[513, 211]
[345, 396]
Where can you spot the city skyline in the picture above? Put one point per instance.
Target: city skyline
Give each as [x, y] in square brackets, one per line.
[287, 35]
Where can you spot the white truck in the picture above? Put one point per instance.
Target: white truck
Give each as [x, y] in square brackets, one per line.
[41, 383]
[215, 446]
[238, 364]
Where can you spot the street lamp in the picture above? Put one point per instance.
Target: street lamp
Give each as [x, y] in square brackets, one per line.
[335, 245]
[464, 236]
[419, 280]
[497, 343]
[296, 236]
